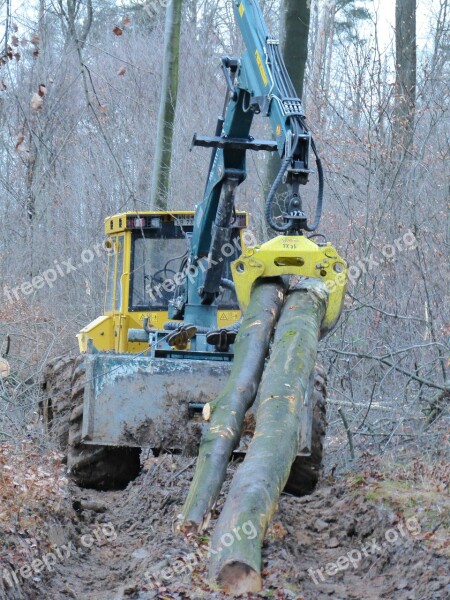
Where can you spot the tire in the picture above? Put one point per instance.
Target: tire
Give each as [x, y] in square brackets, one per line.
[96, 467]
[306, 470]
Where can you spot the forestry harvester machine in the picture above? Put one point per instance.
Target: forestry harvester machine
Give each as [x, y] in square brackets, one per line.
[177, 283]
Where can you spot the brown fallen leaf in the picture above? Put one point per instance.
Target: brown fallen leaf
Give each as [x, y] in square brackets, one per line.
[121, 71]
[303, 539]
[36, 102]
[5, 369]
[126, 21]
[35, 39]
[42, 89]
[14, 41]
[333, 543]
[20, 139]
[117, 30]
[277, 531]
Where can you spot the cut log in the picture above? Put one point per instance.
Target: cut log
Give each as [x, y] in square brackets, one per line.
[253, 497]
[228, 410]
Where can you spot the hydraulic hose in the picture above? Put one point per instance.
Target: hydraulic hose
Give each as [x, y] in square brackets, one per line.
[319, 204]
[284, 84]
[173, 326]
[270, 198]
[228, 284]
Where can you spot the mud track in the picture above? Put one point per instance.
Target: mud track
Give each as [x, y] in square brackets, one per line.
[117, 545]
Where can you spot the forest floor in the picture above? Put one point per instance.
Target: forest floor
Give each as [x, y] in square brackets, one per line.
[378, 531]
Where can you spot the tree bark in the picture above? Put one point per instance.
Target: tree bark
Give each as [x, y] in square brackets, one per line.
[255, 489]
[406, 66]
[294, 32]
[228, 411]
[321, 61]
[166, 116]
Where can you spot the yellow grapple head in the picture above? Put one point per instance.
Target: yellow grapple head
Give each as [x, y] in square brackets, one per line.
[293, 255]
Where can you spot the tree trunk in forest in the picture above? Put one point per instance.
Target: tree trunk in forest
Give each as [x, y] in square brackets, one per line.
[406, 65]
[321, 61]
[228, 410]
[163, 150]
[294, 31]
[259, 481]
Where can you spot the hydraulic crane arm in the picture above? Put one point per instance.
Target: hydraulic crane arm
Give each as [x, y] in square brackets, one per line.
[258, 82]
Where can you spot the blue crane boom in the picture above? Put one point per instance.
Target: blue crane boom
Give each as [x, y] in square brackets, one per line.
[257, 83]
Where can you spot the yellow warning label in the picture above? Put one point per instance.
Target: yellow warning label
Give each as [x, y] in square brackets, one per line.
[278, 130]
[241, 9]
[261, 68]
[227, 317]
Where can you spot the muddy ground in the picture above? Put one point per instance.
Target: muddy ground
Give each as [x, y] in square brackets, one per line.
[363, 535]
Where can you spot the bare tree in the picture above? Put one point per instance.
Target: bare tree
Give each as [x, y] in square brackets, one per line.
[405, 68]
[168, 102]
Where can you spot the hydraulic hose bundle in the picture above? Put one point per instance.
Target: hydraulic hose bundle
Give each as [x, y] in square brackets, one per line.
[284, 84]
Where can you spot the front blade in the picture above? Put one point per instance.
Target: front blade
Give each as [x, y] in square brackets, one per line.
[142, 401]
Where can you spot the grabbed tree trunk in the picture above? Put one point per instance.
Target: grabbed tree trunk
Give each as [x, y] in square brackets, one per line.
[228, 411]
[255, 489]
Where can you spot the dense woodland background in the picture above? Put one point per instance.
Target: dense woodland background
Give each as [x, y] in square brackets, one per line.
[80, 89]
